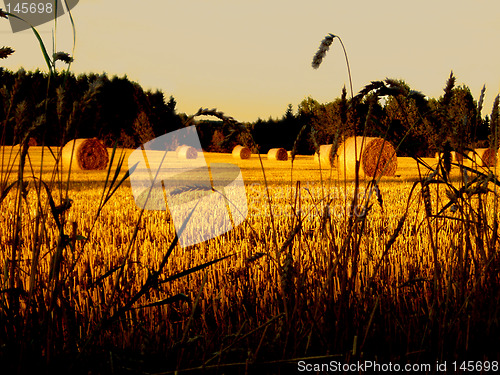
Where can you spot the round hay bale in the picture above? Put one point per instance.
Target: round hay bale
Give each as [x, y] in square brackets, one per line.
[241, 152]
[88, 154]
[484, 157]
[377, 157]
[471, 159]
[322, 156]
[277, 154]
[489, 158]
[187, 152]
[32, 142]
[345, 158]
[456, 157]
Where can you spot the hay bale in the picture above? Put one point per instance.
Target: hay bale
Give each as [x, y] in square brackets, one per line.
[489, 158]
[88, 154]
[377, 157]
[322, 156]
[471, 159]
[456, 157]
[345, 158]
[483, 157]
[31, 143]
[186, 152]
[241, 152]
[277, 154]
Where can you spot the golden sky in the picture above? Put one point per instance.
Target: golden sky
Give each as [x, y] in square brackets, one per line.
[251, 58]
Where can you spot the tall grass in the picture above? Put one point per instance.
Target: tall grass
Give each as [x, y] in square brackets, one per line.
[407, 273]
[41, 318]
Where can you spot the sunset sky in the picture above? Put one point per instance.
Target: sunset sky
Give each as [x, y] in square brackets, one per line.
[252, 58]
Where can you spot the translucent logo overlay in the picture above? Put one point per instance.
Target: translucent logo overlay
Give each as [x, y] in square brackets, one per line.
[171, 170]
[36, 12]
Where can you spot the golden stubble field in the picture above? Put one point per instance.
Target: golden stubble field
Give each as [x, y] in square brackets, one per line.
[297, 280]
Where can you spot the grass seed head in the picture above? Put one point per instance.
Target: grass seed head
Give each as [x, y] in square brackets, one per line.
[5, 51]
[322, 50]
[63, 56]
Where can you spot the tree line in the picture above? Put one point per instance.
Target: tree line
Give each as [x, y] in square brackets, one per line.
[418, 125]
[54, 109]
[57, 108]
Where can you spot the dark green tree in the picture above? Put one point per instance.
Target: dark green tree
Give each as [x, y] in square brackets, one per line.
[405, 120]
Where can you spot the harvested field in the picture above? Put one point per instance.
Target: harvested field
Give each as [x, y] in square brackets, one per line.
[244, 277]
